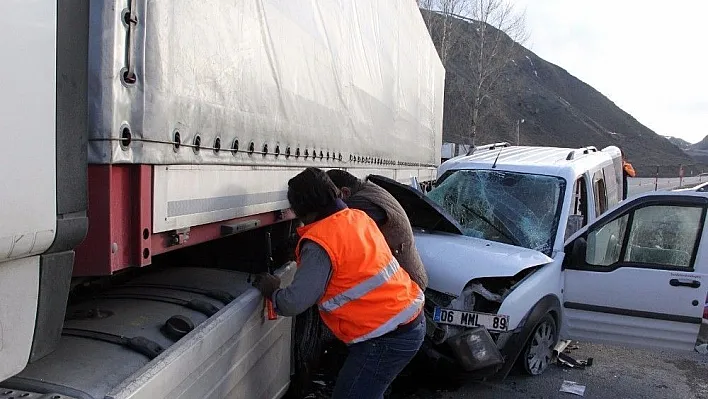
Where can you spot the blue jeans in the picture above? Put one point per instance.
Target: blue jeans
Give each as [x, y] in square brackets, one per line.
[372, 365]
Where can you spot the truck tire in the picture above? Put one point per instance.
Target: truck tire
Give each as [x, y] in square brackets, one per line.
[307, 343]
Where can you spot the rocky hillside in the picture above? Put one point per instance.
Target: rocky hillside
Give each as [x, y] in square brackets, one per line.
[699, 151]
[679, 142]
[558, 109]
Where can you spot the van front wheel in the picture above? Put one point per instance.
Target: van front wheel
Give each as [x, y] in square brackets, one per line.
[538, 353]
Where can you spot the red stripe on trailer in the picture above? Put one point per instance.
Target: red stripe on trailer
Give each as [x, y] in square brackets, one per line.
[120, 222]
[120, 217]
[165, 242]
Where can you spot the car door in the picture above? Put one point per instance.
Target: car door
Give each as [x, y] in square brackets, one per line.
[639, 275]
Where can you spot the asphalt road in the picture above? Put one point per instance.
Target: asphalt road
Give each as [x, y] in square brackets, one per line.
[616, 373]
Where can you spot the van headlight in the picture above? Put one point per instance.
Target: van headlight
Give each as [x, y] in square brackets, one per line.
[475, 349]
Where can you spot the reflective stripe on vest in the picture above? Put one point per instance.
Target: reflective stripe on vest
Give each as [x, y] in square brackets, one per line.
[361, 289]
[369, 294]
[406, 315]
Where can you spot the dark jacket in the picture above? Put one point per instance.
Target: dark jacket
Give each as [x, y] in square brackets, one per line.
[395, 227]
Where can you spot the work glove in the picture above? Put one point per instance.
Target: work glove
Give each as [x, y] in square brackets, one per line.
[266, 283]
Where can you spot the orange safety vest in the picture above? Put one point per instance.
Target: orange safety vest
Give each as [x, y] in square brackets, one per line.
[368, 294]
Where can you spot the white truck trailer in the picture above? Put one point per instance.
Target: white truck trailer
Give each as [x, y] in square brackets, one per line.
[147, 145]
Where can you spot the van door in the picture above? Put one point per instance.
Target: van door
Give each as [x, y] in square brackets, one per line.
[639, 275]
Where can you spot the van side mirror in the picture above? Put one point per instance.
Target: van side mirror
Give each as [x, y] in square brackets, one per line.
[579, 251]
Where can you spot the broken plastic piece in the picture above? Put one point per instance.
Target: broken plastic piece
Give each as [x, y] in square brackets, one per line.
[567, 361]
[485, 293]
[562, 346]
[573, 387]
[702, 349]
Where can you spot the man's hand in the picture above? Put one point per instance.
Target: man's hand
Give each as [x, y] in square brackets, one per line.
[266, 284]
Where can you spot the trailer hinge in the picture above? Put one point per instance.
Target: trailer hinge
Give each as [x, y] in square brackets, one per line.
[178, 237]
[130, 19]
[280, 215]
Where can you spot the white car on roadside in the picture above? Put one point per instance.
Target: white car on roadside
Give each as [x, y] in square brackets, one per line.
[520, 250]
[700, 188]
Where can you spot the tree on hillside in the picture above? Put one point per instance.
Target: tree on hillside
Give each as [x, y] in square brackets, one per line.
[487, 34]
[440, 18]
[496, 38]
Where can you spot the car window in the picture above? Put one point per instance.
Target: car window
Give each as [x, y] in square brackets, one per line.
[664, 235]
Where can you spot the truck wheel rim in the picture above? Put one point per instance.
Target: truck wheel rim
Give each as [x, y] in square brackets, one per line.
[541, 349]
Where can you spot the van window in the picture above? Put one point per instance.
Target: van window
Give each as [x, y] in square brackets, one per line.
[665, 236]
[615, 173]
[578, 216]
[612, 186]
[605, 243]
[514, 208]
[600, 193]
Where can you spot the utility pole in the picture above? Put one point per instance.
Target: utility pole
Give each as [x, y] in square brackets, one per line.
[681, 176]
[518, 125]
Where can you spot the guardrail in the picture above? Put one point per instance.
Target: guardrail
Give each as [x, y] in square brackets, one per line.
[673, 170]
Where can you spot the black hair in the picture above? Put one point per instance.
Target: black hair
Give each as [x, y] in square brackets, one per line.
[342, 178]
[311, 191]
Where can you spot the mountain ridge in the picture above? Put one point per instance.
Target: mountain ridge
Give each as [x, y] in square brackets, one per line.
[557, 109]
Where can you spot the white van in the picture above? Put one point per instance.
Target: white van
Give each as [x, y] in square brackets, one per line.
[491, 235]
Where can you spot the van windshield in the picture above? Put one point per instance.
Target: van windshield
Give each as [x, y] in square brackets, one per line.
[513, 208]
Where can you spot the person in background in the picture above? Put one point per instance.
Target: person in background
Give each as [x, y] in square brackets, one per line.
[389, 216]
[365, 298]
[627, 171]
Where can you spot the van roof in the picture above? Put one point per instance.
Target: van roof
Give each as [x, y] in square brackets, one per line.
[568, 163]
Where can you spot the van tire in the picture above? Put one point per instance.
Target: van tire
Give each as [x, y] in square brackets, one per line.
[538, 352]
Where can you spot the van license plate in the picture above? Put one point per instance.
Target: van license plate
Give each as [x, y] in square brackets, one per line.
[493, 322]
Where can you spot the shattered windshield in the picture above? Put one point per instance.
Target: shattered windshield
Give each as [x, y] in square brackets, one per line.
[513, 208]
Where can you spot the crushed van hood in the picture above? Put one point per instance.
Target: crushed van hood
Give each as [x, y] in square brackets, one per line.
[453, 260]
[422, 212]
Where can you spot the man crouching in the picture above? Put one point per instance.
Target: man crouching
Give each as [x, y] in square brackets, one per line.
[365, 298]
[389, 216]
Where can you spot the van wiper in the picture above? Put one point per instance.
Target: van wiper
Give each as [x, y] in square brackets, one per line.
[509, 237]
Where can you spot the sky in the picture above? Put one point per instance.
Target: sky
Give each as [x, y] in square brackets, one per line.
[649, 57]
